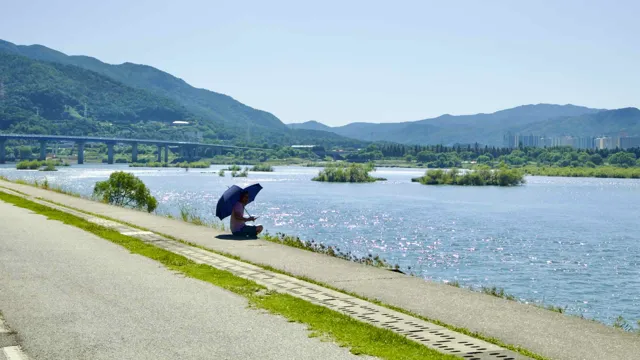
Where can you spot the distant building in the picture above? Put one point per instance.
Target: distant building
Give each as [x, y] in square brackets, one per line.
[513, 141]
[629, 142]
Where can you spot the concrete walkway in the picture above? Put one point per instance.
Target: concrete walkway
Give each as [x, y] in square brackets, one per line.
[547, 333]
[68, 294]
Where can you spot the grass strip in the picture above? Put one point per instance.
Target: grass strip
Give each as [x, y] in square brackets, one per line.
[360, 337]
[461, 330]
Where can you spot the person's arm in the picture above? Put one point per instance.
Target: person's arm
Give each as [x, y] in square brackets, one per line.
[239, 214]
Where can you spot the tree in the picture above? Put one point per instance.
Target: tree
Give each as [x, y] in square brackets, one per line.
[596, 159]
[125, 189]
[483, 159]
[426, 156]
[25, 152]
[623, 159]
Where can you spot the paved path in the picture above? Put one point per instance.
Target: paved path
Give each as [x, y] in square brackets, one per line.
[551, 334]
[71, 295]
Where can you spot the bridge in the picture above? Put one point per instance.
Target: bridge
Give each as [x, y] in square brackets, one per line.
[187, 149]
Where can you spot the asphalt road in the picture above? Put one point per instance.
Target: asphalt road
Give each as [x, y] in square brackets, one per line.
[71, 295]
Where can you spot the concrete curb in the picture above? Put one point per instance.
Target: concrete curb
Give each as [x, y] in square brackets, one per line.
[9, 348]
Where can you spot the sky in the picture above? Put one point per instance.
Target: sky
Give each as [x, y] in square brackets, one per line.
[359, 61]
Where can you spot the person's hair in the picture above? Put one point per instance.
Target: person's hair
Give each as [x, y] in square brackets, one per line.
[242, 194]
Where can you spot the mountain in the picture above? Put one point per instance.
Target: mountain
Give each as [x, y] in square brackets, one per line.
[204, 103]
[448, 129]
[33, 91]
[310, 125]
[607, 123]
[218, 116]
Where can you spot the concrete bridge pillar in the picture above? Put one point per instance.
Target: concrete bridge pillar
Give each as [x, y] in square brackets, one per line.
[159, 153]
[110, 153]
[166, 153]
[2, 151]
[80, 152]
[43, 150]
[183, 152]
[134, 152]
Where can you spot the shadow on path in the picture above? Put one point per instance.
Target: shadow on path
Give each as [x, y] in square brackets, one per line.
[234, 237]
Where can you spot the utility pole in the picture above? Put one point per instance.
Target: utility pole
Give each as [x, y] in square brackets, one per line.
[85, 110]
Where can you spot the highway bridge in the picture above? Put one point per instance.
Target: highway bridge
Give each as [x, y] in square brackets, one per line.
[187, 149]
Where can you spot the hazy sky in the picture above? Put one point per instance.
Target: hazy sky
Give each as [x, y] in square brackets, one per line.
[347, 61]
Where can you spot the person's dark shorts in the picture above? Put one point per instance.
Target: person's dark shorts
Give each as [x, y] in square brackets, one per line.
[247, 230]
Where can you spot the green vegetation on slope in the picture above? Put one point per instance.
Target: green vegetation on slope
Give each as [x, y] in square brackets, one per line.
[34, 91]
[160, 98]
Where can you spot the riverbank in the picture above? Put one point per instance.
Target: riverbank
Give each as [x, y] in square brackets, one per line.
[451, 242]
[490, 316]
[596, 172]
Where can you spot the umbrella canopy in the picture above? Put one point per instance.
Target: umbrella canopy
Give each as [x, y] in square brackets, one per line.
[232, 196]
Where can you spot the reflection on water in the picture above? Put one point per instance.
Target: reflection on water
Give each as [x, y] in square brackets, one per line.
[563, 241]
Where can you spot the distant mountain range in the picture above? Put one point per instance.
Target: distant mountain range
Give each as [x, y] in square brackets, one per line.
[489, 129]
[45, 91]
[54, 86]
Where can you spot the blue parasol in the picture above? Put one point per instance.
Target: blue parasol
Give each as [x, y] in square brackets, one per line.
[232, 196]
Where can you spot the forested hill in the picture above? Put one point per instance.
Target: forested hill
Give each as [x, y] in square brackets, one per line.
[206, 104]
[35, 91]
[45, 91]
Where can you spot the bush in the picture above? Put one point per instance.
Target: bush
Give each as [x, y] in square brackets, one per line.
[49, 167]
[243, 173]
[125, 189]
[262, 167]
[480, 177]
[353, 173]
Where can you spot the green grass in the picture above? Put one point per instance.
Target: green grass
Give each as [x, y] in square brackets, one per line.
[360, 337]
[44, 185]
[296, 242]
[497, 292]
[189, 215]
[599, 172]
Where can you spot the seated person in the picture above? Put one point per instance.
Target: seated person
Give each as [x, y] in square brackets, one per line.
[238, 221]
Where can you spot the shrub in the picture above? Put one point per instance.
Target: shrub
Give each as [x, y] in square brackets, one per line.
[353, 173]
[125, 189]
[482, 176]
[262, 167]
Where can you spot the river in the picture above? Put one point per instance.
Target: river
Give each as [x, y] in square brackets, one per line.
[571, 242]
